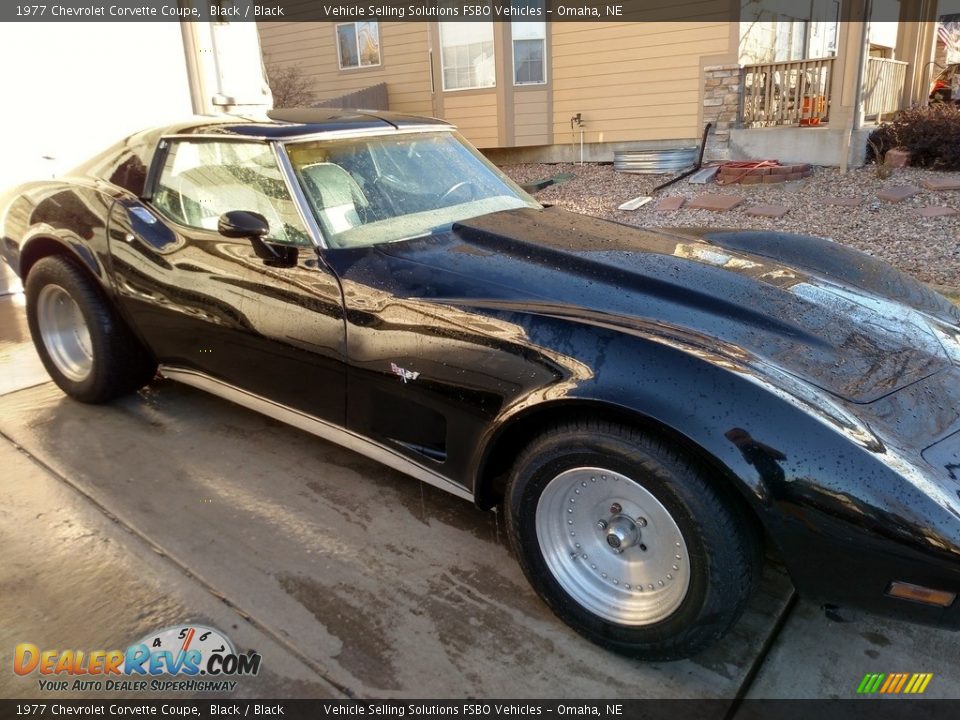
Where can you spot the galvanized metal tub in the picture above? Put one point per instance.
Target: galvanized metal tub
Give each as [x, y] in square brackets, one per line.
[654, 162]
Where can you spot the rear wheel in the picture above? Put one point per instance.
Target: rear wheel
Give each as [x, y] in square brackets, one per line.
[627, 542]
[83, 343]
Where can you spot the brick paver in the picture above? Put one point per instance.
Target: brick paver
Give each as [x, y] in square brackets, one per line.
[669, 204]
[715, 202]
[770, 211]
[934, 211]
[941, 183]
[898, 193]
[842, 201]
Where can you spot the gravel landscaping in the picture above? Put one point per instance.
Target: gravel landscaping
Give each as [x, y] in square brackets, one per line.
[927, 248]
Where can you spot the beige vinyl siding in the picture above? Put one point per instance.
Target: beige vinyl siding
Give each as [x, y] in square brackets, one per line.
[530, 124]
[475, 115]
[311, 46]
[631, 81]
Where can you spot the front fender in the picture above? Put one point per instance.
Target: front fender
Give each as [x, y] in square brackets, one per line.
[848, 514]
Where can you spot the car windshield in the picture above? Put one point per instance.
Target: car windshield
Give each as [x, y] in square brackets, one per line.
[384, 188]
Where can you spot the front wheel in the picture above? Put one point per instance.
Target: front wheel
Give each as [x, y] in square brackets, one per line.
[627, 542]
[83, 343]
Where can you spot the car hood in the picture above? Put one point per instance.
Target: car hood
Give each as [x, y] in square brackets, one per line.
[838, 319]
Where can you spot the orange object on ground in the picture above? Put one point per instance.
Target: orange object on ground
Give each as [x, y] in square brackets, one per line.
[813, 106]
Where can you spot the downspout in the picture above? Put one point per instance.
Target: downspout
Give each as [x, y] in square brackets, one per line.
[194, 76]
[856, 118]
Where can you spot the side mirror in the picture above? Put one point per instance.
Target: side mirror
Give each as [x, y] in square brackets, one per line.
[243, 224]
[254, 227]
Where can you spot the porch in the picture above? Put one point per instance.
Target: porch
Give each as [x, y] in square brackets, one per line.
[799, 93]
[816, 100]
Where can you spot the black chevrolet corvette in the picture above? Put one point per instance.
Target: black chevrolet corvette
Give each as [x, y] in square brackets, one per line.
[648, 407]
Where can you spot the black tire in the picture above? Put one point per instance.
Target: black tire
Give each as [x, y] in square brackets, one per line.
[120, 364]
[722, 542]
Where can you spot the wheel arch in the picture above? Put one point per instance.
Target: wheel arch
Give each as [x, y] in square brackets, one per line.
[47, 244]
[505, 444]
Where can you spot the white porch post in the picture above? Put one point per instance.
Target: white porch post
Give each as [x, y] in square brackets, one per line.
[846, 96]
[915, 42]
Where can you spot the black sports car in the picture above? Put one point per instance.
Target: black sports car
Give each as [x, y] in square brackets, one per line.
[648, 407]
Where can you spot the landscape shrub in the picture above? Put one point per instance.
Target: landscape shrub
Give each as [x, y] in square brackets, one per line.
[931, 135]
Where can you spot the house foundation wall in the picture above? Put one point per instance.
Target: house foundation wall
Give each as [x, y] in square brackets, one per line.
[570, 152]
[817, 146]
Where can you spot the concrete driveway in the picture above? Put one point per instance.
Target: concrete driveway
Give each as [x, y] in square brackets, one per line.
[350, 579]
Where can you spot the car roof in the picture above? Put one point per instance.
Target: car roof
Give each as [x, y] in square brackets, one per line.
[301, 122]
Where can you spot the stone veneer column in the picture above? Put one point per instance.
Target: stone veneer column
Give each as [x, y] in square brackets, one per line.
[721, 105]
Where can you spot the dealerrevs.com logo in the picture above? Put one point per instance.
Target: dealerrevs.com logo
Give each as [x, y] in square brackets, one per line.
[181, 658]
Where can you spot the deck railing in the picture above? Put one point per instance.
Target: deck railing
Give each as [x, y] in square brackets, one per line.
[785, 93]
[883, 87]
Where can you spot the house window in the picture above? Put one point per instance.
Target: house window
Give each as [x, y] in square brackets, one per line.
[529, 45]
[529, 53]
[358, 44]
[466, 55]
[791, 40]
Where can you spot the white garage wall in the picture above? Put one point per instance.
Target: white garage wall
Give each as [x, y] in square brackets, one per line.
[71, 89]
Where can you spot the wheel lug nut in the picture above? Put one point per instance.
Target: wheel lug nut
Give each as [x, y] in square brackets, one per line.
[615, 508]
[601, 524]
[642, 521]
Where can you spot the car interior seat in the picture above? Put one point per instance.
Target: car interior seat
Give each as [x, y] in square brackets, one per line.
[207, 192]
[335, 195]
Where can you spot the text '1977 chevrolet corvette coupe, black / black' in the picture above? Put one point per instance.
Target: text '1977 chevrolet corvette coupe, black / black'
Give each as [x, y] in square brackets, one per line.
[648, 407]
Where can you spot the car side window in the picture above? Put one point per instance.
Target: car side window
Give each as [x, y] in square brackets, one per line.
[200, 180]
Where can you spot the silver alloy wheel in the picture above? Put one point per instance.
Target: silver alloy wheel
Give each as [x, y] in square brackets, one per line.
[612, 546]
[64, 332]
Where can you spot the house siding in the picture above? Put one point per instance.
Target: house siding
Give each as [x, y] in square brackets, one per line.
[311, 46]
[631, 81]
[475, 115]
[530, 109]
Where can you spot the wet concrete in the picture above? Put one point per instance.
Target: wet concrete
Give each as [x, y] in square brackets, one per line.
[391, 587]
[72, 578]
[348, 577]
[19, 362]
[815, 658]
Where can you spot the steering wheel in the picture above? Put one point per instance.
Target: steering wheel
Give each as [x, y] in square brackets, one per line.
[384, 185]
[458, 186]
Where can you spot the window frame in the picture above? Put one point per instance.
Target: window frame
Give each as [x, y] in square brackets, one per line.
[513, 58]
[475, 88]
[356, 37]
[162, 152]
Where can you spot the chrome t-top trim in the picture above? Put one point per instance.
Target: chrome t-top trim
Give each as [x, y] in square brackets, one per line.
[315, 426]
[365, 132]
[311, 135]
[299, 198]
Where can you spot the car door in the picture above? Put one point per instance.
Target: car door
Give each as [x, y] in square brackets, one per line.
[207, 303]
[426, 377]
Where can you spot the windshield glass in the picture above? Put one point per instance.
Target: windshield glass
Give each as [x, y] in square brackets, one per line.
[385, 188]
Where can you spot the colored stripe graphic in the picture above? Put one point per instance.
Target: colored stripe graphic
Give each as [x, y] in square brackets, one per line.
[903, 681]
[870, 683]
[894, 683]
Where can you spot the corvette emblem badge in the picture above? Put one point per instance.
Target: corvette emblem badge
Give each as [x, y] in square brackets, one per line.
[405, 375]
